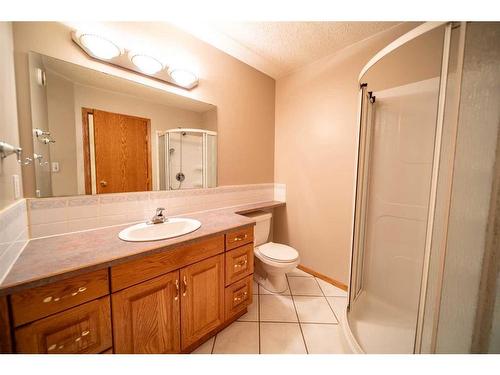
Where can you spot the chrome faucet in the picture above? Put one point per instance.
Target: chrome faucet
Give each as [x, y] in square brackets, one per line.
[159, 217]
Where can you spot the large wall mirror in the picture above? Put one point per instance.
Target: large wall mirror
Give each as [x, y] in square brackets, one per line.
[94, 133]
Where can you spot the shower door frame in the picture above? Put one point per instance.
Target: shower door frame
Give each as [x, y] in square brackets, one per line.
[362, 178]
[205, 135]
[364, 153]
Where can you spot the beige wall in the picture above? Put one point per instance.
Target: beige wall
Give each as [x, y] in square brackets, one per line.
[8, 115]
[244, 97]
[315, 155]
[209, 120]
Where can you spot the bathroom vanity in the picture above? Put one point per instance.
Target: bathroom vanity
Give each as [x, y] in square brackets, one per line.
[90, 292]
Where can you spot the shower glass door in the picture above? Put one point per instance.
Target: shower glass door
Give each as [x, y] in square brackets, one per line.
[399, 113]
[187, 159]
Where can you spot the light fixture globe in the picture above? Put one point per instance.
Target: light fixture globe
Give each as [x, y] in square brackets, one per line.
[99, 46]
[146, 64]
[183, 77]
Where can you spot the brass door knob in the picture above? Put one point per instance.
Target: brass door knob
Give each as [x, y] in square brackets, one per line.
[103, 183]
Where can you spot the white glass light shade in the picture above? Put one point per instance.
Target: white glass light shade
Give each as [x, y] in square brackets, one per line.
[146, 64]
[182, 77]
[99, 46]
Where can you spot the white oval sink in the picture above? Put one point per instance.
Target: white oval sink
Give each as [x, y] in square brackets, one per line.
[174, 227]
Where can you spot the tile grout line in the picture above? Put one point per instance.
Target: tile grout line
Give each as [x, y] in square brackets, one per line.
[297, 314]
[327, 302]
[213, 344]
[280, 322]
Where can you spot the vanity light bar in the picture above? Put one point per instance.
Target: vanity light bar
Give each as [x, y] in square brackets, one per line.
[102, 48]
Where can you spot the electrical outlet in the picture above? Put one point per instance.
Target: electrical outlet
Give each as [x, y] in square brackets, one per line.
[17, 186]
[55, 167]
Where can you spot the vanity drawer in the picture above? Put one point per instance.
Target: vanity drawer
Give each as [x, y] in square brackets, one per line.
[131, 273]
[238, 237]
[238, 296]
[45, 300]
[239, 263]
[82, 329]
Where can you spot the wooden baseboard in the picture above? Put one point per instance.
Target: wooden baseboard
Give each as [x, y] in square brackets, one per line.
[334, 282]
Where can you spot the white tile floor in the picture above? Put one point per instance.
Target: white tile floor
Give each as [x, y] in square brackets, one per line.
[299, 321]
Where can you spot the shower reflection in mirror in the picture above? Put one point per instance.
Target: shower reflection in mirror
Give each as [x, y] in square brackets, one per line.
[187, 159]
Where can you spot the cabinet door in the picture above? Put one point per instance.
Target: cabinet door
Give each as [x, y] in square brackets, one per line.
[202, 300]
[82, 329]
[146, 316]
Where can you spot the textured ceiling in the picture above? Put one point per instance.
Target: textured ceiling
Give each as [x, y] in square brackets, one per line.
[290, 45]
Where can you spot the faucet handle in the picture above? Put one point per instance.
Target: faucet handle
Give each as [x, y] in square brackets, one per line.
[159, 211]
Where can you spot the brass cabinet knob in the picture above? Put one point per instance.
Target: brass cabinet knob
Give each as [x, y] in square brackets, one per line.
[103, 183]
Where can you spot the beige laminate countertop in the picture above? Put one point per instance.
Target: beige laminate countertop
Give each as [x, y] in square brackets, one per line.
[49, 259]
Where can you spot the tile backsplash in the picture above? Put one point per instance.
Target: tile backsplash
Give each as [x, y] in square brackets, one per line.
[13, 234]
[280, 192]
[51, 216]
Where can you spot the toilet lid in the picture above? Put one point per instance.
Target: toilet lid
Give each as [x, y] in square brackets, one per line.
[278, 252]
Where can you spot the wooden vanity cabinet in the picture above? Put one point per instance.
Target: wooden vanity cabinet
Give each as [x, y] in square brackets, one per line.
[146, 317]
[168, 302]
[169, 313]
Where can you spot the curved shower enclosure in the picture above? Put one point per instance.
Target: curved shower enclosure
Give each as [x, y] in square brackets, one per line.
[187, 159]
[411, 94]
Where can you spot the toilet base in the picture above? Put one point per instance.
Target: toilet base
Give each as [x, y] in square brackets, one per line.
[272, 275]
[272, 283]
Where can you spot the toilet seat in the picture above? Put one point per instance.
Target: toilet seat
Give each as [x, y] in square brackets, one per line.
[277, 252]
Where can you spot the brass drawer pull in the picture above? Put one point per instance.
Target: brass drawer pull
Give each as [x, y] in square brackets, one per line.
[176, 290]
[57, 299]
[243, 263]
[240, 237]
[84, 333]
[61, 346]
[184, 281]
[240, 299]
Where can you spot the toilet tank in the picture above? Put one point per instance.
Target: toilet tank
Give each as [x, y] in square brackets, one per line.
[262, 226]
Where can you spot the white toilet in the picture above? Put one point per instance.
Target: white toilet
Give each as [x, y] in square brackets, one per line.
[272, 260]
